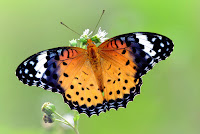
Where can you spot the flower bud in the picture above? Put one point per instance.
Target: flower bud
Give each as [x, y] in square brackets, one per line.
[48, 108]
[48, 118]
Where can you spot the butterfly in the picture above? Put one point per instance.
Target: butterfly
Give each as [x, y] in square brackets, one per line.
[96, 79]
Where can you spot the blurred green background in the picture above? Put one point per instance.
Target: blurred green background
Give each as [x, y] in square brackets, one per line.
[169, 102]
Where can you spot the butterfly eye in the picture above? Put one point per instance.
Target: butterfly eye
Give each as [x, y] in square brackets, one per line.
[90, 43]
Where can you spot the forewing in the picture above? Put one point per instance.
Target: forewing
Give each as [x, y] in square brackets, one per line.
[144, 49]
[125, 59]
[43, 69]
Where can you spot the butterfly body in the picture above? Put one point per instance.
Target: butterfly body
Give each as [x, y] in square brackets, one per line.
[95, 61]
[99, 78]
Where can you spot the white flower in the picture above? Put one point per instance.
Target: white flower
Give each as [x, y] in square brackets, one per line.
[73, 42]
[86, 34]
[101, 35]
[98, 38]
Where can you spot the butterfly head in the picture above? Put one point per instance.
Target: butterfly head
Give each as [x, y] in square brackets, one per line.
[86, 41]
[90, 43]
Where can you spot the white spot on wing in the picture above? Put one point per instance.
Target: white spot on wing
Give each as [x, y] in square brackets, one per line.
[45, 77]
[160, 37]
[122, 38]
[25, 63]
[141, 36]
[40, 65]
[42, 70]
[26, 71]
[20, 71]
[31, 62]
[146, 57]
[59, 51]
[149, 51]
[144, 41]
[148, 46]
[161, 44]
[153, 39]
[168, 43]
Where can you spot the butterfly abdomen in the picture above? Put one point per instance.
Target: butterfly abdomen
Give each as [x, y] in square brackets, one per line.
[95, 62]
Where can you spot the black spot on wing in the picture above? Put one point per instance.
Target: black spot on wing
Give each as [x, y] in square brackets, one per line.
[42, 71]
[145, 60]
[122, 102]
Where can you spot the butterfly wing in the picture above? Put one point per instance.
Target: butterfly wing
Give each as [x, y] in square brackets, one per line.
[84, 94]
[125, 58]
[43, 69]
[65, 70]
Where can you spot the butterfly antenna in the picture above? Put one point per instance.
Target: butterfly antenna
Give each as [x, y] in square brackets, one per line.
[69, 28]
[98, 21]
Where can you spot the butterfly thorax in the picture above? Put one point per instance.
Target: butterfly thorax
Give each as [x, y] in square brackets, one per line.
[92, 52]
[94, 58]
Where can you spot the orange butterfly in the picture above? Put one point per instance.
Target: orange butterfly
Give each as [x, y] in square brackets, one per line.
[99, 78]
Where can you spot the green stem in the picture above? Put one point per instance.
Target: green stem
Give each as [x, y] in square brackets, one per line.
[61, 117]
[76, 130]
[81, 44]
[66, 122]
[62, 122]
